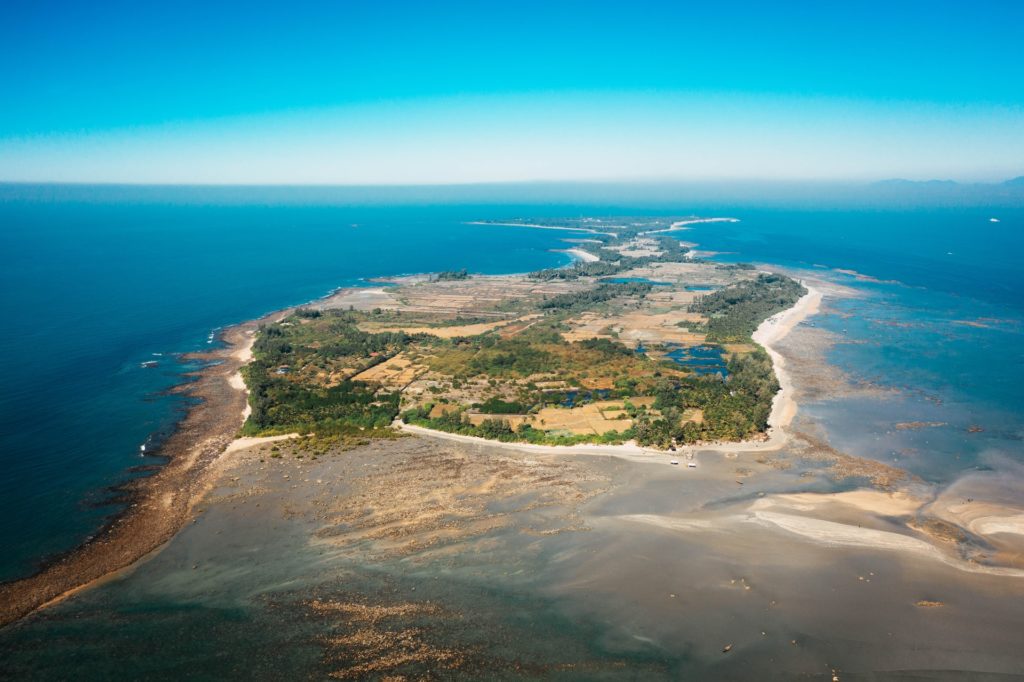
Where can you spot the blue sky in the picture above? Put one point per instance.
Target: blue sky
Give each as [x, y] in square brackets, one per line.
[435, 92]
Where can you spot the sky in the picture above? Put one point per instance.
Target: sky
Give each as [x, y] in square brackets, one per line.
[463, 92]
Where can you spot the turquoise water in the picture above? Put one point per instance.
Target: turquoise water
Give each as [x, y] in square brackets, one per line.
[938, 324]
[90, 291]
[93, 290]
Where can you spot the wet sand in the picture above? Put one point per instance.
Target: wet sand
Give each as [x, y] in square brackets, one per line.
[160, 504]
[420, 558]
[454, 558]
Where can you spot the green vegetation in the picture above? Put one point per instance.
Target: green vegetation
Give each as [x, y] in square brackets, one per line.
[499, 406]
[287, 355]
[599, 294]
[304, 374]
[735, 312]
[733, 409]
[452, 275]
[581, 269]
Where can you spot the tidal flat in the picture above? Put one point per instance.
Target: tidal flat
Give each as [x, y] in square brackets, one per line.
[877, 536]
[419, 558]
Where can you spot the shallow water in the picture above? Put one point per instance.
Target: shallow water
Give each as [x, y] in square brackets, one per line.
[940, 348]
[90, 291]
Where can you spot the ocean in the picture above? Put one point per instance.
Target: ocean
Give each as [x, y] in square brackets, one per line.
[91, 290]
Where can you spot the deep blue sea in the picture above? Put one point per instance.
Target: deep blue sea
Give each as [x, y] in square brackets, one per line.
[91, 289]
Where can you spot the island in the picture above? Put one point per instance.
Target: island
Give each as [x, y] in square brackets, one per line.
[639, 341]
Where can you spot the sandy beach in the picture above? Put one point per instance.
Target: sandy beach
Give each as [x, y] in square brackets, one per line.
[682, 224]
[542, 227]
[581, 255]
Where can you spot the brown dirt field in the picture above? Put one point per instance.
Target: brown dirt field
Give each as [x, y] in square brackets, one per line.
[453, 331]
[514, 420]
[587, 419]
[739, 348]
[398, 372]
[479, 295]
[635, 327]
[694, 415]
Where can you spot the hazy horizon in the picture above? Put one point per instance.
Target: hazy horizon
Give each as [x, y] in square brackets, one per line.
[342, 94]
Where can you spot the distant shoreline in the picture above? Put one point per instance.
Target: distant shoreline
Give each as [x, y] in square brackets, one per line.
[541, 227]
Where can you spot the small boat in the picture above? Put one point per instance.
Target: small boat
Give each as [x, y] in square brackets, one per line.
[150, 363]
[692, 465]
[993, 220]
[674, 462]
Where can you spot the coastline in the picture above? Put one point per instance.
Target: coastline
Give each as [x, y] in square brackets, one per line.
[158, 505]
[682, 224]
[542, 227]
[580, 255]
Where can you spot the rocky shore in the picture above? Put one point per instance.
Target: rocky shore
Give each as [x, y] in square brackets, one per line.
[159, 505]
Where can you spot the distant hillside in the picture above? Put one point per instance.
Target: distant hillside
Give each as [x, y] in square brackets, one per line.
[948, 192]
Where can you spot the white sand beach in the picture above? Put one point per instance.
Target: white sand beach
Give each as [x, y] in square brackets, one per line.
[581, 255]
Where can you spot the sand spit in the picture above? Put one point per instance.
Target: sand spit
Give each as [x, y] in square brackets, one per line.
[833, 534]
[581, 255]
[829, 520]
[361, 298]
[682, 224]
[543, 227]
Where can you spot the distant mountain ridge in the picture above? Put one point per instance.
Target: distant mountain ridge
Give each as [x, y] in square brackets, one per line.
[948, 192]
[902, 182]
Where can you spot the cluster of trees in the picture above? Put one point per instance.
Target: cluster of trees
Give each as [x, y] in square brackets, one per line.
[281, 402]
[735, 312]
[733, 410]
[606, 346]
[599, 294]
[576, 270]
[499, 406]
[282, 406]
[452, 275]
[507, 357]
